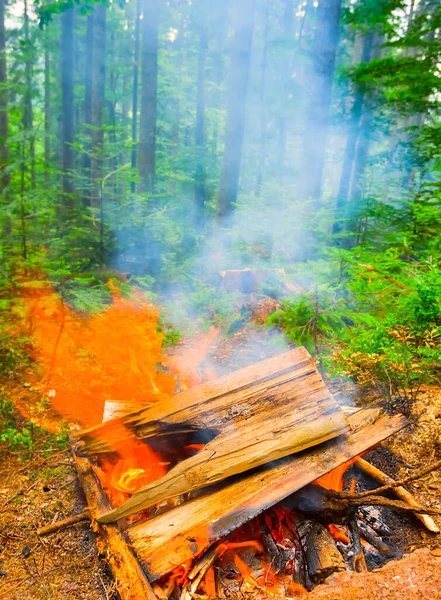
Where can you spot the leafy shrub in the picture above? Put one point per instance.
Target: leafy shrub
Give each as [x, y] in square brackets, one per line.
[379, 322]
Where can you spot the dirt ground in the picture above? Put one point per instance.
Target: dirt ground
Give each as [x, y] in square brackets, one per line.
[65, 565]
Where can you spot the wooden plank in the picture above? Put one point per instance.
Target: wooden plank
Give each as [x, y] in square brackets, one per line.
[130, 580]
[221, 402]
[178, 535]
[288, 419]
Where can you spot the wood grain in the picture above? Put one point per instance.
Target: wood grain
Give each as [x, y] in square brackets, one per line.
[271, 422]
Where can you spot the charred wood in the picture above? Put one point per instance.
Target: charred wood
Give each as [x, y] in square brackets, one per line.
[321, 553]
[358, 559]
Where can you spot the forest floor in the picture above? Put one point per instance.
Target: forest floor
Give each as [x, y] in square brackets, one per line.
[42, 488]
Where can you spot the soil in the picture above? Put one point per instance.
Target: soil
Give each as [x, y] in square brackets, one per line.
[414, 577]
[34, 491]
[38, 489]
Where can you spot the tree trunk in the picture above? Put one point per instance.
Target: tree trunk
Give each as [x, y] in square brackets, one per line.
[286, 75]
[220, 27]
[47, 112]
[98, 98]
[28, 120]
[362, 152]
[200, 193]
[314, 143]
[67, 91]
[135, 91]
[4, 154]
[235, 125]
[113, 78]
[147, 128]
[88, 92]
[262, 106]
[351, 142]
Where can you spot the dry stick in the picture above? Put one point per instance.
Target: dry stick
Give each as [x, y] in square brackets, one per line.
[53, 527]
[346, 502]
[388, 487]
[401, 492]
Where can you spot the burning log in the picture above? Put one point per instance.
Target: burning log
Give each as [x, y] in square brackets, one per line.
[400, 491]
[322, 555]
[185, 531]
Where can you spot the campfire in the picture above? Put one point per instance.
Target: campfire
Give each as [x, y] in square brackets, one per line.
[245, 510]
[223, 487]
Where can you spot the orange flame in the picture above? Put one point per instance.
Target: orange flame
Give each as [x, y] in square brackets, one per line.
[334, 479]
[112, 355]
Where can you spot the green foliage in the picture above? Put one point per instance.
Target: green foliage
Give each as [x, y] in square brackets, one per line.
[13, 437]
[379, 323]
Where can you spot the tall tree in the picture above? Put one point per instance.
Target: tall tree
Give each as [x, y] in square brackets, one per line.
[149, 90]
[235, 124]
[200, 191]
[47, 108]
[286, 75]
[68, 110]
[88, 76]
[353, 134]
[262, 104]
[314, 141]
[4, 154]
[28, 113]
[98, 98]
[135, 90]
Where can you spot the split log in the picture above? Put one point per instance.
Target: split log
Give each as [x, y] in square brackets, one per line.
[400, 491]
[264, 438]
[178, 535]
[322, 555]
[220, 404]
[272, 419]
[130, 580]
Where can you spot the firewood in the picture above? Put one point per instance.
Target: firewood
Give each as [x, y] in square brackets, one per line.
[182, 533]
[223, 403]
[400, 491]
[58, 525]
[322, 555]
[130, 580]
[262, 439]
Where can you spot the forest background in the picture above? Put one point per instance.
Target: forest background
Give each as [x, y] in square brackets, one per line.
[157, 143]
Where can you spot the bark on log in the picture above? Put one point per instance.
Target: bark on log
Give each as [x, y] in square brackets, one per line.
[401, 492]
[178, 535]
[130, 580]
[221, 403]
[322, 555]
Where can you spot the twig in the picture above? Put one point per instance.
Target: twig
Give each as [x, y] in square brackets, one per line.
[401, 492]
[53, 527]
[388, 487]
[382, 501]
